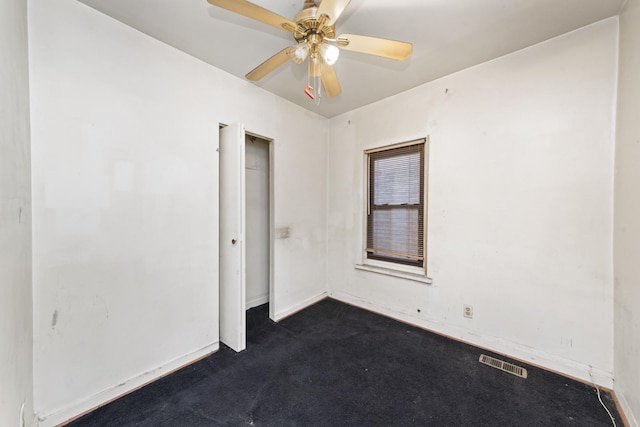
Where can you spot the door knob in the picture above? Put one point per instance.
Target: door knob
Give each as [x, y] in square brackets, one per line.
[233, 241]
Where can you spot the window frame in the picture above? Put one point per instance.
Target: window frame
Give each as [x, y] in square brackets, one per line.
[388, 266]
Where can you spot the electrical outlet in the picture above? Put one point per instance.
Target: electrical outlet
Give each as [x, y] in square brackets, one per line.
[467, 311]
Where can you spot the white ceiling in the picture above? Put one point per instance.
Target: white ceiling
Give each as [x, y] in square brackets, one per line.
[447, 36]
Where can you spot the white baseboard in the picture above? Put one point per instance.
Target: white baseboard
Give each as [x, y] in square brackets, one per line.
[256, 301]
[299, 306]
[510, 349]
[628, 413]
[110, 394]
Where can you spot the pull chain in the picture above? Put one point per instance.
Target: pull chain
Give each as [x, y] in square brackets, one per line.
[314, 92]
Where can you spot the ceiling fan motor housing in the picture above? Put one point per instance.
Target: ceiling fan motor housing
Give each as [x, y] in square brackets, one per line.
[308, 24]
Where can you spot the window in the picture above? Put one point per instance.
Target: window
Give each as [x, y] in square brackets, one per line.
[396, 204]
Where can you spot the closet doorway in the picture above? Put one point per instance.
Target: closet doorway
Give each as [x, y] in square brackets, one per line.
[257, 220]
[246, 230]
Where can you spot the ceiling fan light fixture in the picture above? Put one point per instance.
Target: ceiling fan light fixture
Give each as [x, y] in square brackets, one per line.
[329, 53]
[300, 53]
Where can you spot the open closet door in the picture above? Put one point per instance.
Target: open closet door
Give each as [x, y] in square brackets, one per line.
[232, 231]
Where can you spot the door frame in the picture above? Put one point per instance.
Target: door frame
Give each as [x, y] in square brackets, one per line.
[272, 227]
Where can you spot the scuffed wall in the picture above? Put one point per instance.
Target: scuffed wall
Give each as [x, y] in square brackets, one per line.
[125, 199]
[16, 322]
[520, 205]
[627, 217]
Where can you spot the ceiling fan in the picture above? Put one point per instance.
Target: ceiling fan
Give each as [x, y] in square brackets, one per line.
[314, 32]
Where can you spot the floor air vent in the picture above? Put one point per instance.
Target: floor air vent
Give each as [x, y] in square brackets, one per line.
[503, 366]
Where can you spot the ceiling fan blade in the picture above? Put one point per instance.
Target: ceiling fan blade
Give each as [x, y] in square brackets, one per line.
[258, 13]
[374, 46]
[270, 64]
[333, 9]
[330, 80]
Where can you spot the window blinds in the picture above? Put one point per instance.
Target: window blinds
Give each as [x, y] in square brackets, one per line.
[395, 226]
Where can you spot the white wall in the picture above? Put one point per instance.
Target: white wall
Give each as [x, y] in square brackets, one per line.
[16, 324]
[125, 198]
[627, 217]
[257, 224]
[520, 203]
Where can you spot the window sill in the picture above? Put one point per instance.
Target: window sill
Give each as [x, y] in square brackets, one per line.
[395, 273]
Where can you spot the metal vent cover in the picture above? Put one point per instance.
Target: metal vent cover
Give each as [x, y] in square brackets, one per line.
[503, 366]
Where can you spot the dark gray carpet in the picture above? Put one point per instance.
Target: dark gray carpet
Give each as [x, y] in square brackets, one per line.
[337, 365]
